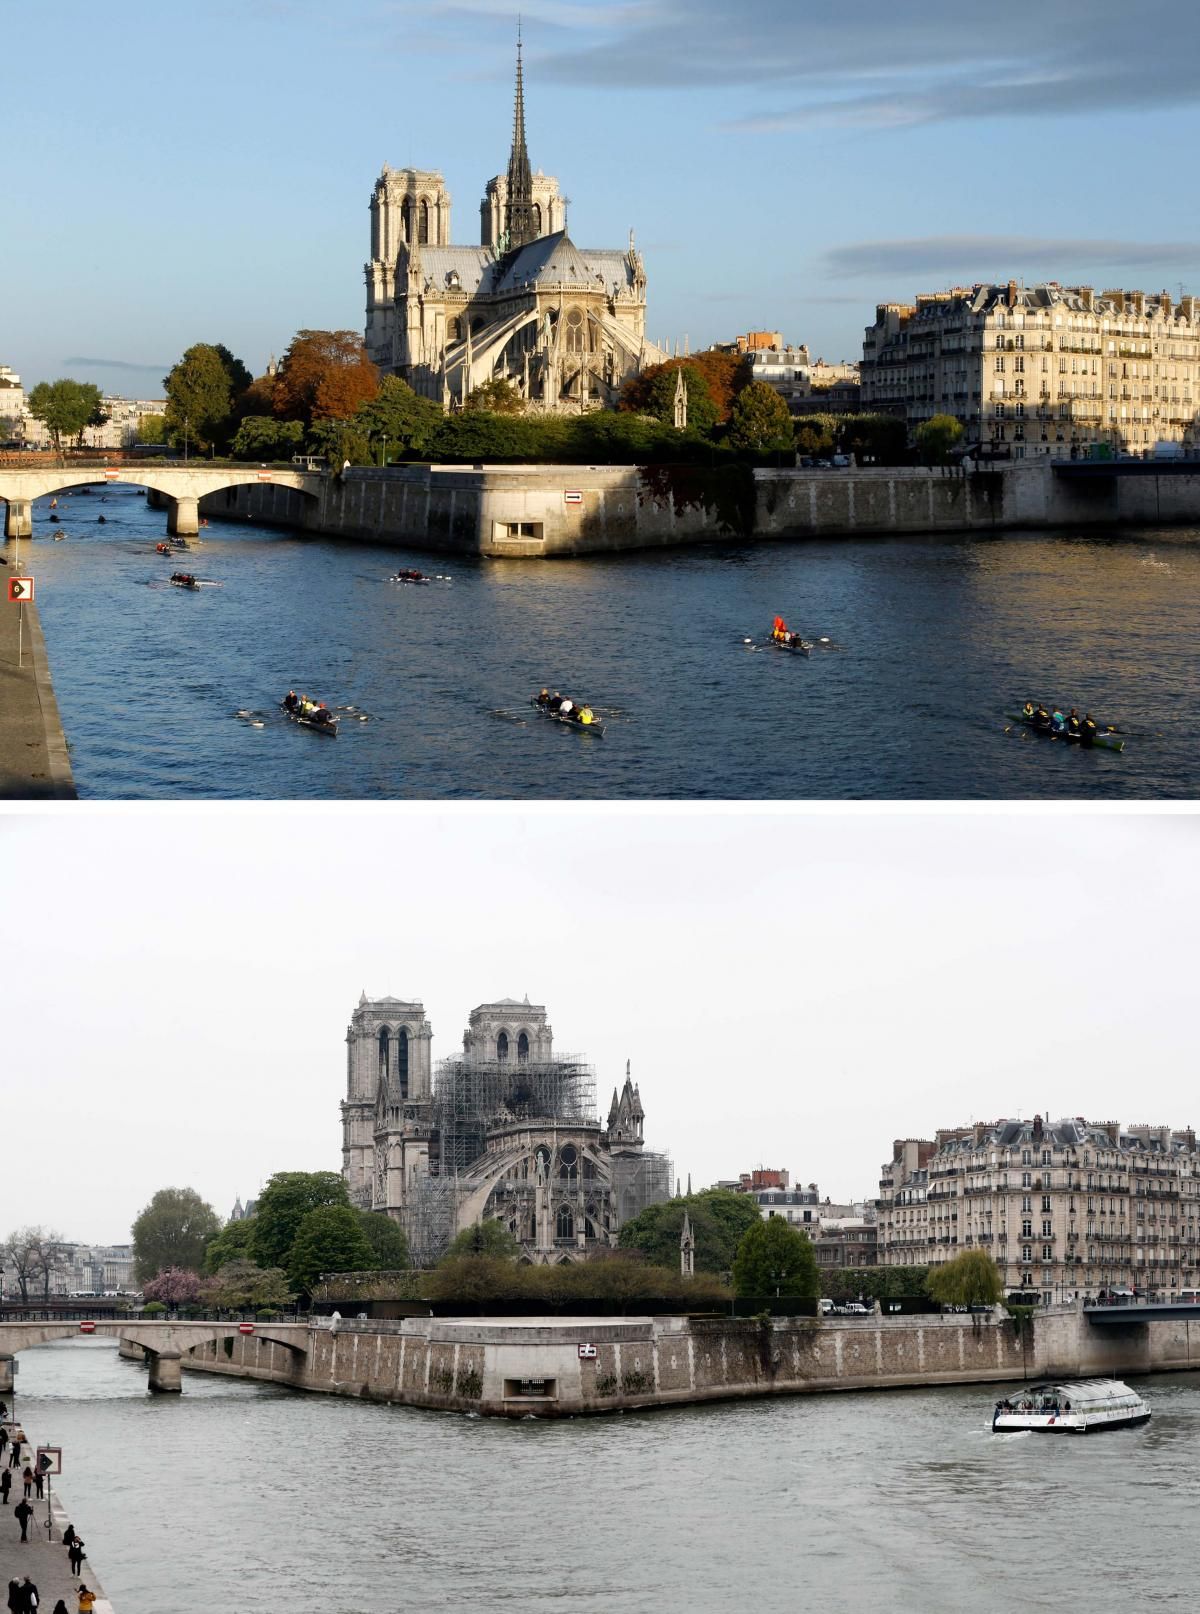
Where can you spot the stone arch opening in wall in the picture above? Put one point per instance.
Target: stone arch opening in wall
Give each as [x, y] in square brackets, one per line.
[502, 1046]
[384, 1050]
[523, 1048]
[537, 218]
[423, 222]
[577, 331]
[402, 1060]
[564, 1223]
[454, 330]
[568, 1162]
[406, 216]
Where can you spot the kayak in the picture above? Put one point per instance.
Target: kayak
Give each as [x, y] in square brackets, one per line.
[330, 727]
[571, 721]
[1106, 741]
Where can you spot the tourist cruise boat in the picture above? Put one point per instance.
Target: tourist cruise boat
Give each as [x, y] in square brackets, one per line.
[1071, 1409]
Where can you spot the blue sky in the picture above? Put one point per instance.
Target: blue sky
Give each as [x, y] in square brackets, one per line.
[201, 171]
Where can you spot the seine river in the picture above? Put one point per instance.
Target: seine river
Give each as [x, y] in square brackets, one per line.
[249, 1498]
[933, 641]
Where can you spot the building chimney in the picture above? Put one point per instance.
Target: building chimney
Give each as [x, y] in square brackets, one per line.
[1011, 299]
[1087, 296]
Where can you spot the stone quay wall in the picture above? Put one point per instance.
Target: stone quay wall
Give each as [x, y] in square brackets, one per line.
[510, 1368]
[543, 511]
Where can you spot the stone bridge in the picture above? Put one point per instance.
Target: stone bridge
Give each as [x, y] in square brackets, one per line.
[165, 1343]
[183, 485]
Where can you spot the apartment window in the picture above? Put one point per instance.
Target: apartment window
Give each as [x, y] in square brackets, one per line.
[1027, 1179]
[1047, 1252]
[1047, 1228]
[1026, 1229]
[1027, 1252]
[1027, 1202]
[1045, 1202]
[1000, 362]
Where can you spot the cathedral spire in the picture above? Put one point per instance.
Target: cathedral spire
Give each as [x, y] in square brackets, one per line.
[518, 206]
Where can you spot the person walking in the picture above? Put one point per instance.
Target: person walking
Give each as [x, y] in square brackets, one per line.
[5, 1485]
[87, 1600]
[29, 1596]
[27, 1479]
[39, 1484]
[3, 1439]
[18, 1439]
[23, 1513]
[60, 1608]
[75, 1554]
[14, 1596]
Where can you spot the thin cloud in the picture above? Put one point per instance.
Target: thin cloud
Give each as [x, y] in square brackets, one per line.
[983, 256]
[115, 364]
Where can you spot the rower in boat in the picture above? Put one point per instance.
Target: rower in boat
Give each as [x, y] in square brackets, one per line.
[162, 549]
[183, 580]
[291, 701]
[1074, 725]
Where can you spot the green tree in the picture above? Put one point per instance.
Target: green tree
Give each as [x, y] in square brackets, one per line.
[719, 1218]
[485, 1238]
[172, 1231]
[815, 436]
[760, 420]
[65, 407]
[386, 1239]
[284, 1203]
[702, 412]
[231, 1243]
[775, 1259]
[880, 438]
[339, 441]
[970, 1279]
[242, 1286]
[151, 429]
[329, 1239]
[202, 390]
[262, 437]
[408, 421]
[936, 437]
[497, 396]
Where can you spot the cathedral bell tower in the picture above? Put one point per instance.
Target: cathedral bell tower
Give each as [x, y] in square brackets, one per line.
[386, 1114]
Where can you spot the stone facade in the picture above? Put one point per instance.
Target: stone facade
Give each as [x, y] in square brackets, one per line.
[1046, 370]
[507, 1131]
[565, 325]
[1066, 1209]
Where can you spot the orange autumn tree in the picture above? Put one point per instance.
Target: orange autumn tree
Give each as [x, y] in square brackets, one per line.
[324, 375]
[725, 374]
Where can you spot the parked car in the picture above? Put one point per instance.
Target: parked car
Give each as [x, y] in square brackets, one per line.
[855, 1308]
[826, 1307]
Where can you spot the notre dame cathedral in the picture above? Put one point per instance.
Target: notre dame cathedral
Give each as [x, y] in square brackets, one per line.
[506, 1130]
[565, 324]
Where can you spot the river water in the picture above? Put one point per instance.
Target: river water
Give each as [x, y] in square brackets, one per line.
[935, 639]
[248, 1498]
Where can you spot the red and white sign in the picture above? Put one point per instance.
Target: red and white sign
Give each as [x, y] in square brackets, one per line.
[572, 496]
[265, 476]
[587, 1353]
[20, 588]
[111, 473]
[87, 1328]
[245, 1328]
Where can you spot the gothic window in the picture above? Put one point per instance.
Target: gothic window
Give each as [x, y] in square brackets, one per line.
[523, 1048]
[568, 1161]
[409, 233]
[533, 1227]
[453, 330]
[576, 331]
[564, 1227]
[402, 1060]
[423, 223]
[537, 218]
[502, 1046]
[383, 1052]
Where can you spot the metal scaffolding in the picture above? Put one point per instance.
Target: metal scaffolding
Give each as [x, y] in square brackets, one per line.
[430, 1218]
[473, 1097]
[639, 1180]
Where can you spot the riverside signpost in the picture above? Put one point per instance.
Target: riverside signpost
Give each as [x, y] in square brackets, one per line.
[20, 589]
[48, 1461]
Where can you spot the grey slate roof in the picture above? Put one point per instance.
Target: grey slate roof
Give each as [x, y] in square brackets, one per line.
[550, 260]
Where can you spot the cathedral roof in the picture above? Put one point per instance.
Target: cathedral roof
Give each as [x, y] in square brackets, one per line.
[550, 260]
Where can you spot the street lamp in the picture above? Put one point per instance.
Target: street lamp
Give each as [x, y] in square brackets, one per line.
[385, 451]
[185, 439]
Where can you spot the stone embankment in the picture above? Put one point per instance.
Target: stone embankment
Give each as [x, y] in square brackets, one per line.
[34, 761]
[43, 1557]
[543, 511]
[557, 1367]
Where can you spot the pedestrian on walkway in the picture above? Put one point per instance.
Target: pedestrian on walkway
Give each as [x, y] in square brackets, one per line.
[75, 1554]
[39, 1484]
[60, 1608]
[29, 1596]
[18, 1439]
[23, 1513]
[68, 1536]
[3, 1439]
[27, 1479]
[87, 1600]
[5, 1485]
[14, 1596]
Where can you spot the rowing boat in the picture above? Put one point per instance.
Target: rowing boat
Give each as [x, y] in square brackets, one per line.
[798, 647]
[329, 727]
[1106, 740]
[179, 581]
[568, 719]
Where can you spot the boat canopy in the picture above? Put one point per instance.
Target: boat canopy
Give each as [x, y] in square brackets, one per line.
[1087, 1390]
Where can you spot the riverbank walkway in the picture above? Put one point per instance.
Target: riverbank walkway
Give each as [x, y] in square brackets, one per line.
[43, 1557]
[34, 762]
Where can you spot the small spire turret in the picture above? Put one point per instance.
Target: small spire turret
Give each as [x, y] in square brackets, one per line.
[518, 207]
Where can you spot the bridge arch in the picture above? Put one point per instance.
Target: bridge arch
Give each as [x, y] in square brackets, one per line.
[183, 485]
[164, 1343]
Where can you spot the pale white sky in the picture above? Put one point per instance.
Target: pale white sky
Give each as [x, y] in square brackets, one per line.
[794, 988]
